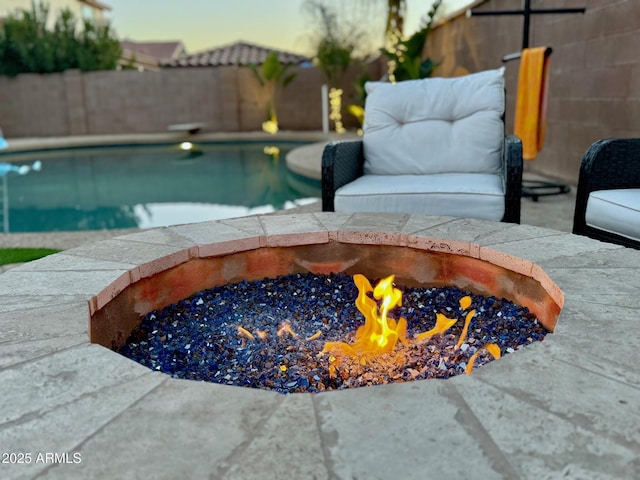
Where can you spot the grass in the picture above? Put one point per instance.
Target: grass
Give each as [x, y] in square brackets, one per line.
[19, 255]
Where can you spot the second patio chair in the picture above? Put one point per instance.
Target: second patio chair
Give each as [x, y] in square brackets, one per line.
[608, 195]
[434, 146]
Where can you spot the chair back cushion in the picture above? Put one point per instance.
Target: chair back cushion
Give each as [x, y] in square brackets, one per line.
[435, 125]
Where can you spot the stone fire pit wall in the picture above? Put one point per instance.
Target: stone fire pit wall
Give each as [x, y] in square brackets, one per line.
[416, 260]
[566, 407]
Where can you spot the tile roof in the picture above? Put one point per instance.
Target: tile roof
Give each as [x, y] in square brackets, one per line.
[239, 53]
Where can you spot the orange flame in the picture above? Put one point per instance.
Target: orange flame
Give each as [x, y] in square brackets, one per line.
[465, 329]
[492, 348]
[379, 334]
[442, 325]
[285, 329]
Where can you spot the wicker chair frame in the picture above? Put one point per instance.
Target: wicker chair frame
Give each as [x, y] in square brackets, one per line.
[608, 164]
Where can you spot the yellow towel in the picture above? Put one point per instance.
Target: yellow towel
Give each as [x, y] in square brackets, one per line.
[531, 102]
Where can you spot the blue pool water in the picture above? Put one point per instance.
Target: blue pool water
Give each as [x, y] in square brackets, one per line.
[150, 186]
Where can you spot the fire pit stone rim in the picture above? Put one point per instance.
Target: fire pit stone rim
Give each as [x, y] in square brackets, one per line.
[587, 379]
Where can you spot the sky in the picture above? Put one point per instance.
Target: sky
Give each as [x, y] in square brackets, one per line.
[204, 24]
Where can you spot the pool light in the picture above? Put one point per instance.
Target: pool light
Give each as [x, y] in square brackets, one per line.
[186, 146]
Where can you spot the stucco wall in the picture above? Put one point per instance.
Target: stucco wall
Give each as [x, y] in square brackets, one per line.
[595, 70]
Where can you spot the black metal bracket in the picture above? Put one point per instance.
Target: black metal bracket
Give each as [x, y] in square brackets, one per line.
[526, 12]
[517, 55]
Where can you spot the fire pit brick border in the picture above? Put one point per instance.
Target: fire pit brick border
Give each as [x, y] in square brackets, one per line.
[566, 406]
[117, 309]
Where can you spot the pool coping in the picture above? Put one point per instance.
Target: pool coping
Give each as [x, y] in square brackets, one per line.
[566, 406]
[17, 145]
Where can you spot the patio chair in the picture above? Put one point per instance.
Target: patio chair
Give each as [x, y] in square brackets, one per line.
[608, 194]
[434, 146]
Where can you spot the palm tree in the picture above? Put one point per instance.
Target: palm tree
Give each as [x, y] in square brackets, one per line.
[272, 77]
[405, 55]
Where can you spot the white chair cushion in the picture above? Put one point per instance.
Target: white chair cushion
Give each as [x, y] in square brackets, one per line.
[474, 195]
[615, 211]
[435, 125]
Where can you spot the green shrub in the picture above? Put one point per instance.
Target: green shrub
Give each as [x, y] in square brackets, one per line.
[27, 46]
[20, 255]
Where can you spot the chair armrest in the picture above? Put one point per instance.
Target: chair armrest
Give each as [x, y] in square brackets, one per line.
[512, 176]
[608, 164]
[342, 162]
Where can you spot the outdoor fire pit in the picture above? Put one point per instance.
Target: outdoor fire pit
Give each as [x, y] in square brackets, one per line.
[344, 331]
[518, 417]
[305, 333]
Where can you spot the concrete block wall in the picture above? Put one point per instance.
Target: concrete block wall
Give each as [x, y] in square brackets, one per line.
[75, 96]
[595, 70]
[142, 102]
[225, 99]
[34, 105]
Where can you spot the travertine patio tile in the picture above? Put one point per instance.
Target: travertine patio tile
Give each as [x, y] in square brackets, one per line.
[182, 429]
[409, 431]
[332, 221]
[287, 230]
[603, 255]
[63, 282]
[10, 302]
[606, 331]
[595, 281]
[466, 230]
[572, 392]
[125, 251]
[65, 262]
[513, 233]
[163, 236]
[210, 232]
[574, 350]
[250, 225]
[550, 247]
[60, 378]
[596, 303]
[422, 224]
[15, 352]
[581, 316]
[375, 222]
[373, 229]
[550, 427]
[625, 361]
[162, 263]
[216, 238]
[66, 427]
[230, 246]
[288, 445]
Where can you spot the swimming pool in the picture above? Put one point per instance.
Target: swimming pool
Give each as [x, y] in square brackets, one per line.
[149, 186]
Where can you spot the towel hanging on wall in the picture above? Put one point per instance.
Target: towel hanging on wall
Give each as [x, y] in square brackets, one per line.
[531, 102]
